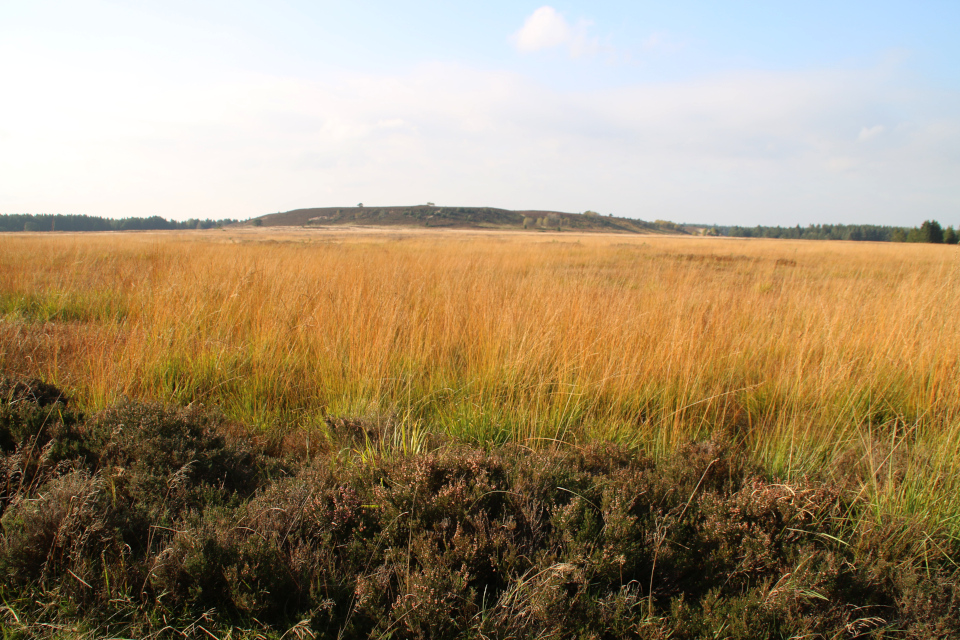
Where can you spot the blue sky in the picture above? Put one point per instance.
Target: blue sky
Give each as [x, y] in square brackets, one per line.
[728, 113]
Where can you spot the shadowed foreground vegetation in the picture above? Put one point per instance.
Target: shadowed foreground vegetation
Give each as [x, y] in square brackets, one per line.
[145, 521]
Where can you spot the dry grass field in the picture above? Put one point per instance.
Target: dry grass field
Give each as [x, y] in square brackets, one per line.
[477, 434]
[812, 357]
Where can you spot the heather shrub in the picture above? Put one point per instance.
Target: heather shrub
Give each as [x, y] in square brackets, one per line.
[31, 414]
[183, 446]
[60, 529]
[155, 521]
[215, 564]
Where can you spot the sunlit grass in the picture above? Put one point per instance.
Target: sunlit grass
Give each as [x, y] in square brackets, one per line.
[813, 356]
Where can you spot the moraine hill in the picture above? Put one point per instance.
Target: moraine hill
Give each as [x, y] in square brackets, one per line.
[461, 218]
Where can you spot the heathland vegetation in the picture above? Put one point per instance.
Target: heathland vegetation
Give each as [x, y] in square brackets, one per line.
[429, 434]
[430, 215]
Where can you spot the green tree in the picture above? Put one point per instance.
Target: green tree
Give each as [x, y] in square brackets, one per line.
[930, 231]
[950, 236]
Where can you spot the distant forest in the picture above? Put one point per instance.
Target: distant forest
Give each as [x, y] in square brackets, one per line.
[929, 231]
[58, 222]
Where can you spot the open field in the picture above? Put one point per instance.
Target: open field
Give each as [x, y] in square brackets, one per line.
[820, 380]
[804, 353]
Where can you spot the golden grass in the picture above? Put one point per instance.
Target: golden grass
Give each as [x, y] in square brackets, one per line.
[803, 351]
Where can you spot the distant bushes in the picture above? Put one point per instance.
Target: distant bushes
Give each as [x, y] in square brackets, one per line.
[57, 222]
[930, 231]
[143, 519]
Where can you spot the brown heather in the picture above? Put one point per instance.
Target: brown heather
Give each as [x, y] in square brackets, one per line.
[149, 522]
[836, 359]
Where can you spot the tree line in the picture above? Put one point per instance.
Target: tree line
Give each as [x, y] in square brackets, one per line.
[59, 222]
[929, 231]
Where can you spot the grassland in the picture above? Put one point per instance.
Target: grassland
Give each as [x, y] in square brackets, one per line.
[804, 353]
[834, 363]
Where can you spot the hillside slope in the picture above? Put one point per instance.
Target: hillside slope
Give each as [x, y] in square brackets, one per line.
[459, 217]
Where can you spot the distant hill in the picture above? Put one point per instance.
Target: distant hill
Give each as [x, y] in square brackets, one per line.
[460, 218]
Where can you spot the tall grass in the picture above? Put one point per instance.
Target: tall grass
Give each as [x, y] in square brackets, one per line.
[811, 356]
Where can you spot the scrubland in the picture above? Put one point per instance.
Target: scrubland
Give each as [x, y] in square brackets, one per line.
[826, 372]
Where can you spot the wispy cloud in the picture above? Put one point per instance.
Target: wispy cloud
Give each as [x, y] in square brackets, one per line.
[546, 28]
[866, 133]
[662, 42]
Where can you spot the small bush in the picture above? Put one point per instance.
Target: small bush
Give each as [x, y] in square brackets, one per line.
[31, 412]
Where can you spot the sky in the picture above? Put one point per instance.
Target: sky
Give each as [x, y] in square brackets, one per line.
[731, 113]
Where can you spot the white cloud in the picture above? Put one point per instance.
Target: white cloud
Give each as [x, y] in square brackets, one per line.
[546, 28]
[867, 133]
